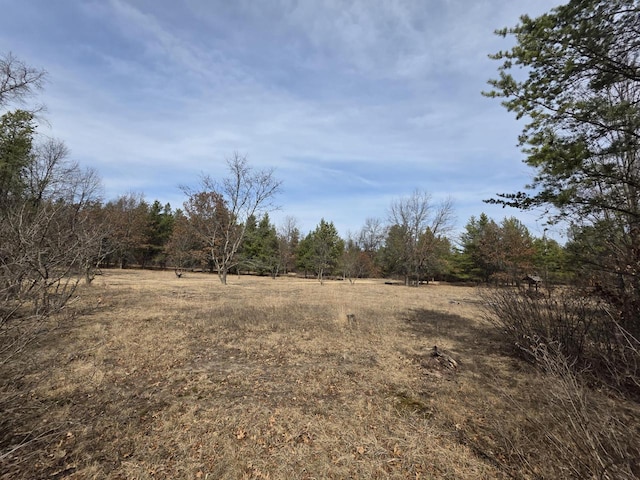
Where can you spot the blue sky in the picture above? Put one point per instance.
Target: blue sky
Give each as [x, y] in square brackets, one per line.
[354, 103]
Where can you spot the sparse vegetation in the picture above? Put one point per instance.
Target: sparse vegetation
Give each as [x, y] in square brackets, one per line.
[161, 377]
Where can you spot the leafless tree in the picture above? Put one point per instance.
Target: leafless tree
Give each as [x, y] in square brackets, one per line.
[17, 80]
[45, 241]
[45, 165]
[182, 248]
[420, 220]
[219, 210]
[355, 262]
[48, 238]
[371, 236]
[127, 220]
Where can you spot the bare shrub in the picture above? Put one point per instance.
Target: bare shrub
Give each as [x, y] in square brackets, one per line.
[48, 243]
[598, 442]
[526, 319]
[621, 359]
[43, 256]
[568, 430]
[573, 430]
[583, 328]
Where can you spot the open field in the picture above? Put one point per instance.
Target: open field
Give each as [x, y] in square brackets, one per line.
[160, 377]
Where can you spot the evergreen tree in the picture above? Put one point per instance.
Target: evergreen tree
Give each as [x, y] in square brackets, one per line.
[550, 261]
[481, 248]
[324, 249]
[260, 249]
[581, 94]
[288, 241]
[517, 250]
[160, 225]
[269, 253]
[435, 255]
[250, 247]
[395, 256]
[16, 143]
[492, 252]
[304, 255]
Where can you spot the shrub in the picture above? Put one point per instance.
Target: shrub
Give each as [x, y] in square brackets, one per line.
[577, 343]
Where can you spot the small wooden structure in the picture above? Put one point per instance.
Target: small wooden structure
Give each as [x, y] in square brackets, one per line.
[533, 281]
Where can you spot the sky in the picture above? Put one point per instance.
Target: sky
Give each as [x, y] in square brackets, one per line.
[354, 104]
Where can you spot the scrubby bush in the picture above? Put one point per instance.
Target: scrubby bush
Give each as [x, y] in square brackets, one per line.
[577, 344]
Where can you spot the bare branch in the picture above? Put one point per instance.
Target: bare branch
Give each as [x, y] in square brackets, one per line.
[18, 80]
[418, 229]
[218, 211]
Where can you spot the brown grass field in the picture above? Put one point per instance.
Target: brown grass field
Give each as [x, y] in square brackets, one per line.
[161, 377]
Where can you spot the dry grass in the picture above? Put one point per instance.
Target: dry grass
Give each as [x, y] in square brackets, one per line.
[160, 377]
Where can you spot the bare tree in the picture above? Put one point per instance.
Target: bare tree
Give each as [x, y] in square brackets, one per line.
[127, 220]
[47, 172]
[420, 220]
[370, 240]
[182, 248]
[52, 178]
[17, 80]
[46, 238]
[219, 210]
[355, 262]
[372, 235]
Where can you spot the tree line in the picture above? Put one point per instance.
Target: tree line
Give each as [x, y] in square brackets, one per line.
[56, 226]
[415, 244]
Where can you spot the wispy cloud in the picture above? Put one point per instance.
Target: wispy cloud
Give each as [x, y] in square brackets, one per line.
[354, 102]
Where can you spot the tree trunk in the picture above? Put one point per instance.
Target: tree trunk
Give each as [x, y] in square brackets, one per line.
[88, 275]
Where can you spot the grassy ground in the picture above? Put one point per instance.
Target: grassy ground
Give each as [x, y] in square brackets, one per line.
[160, 377]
